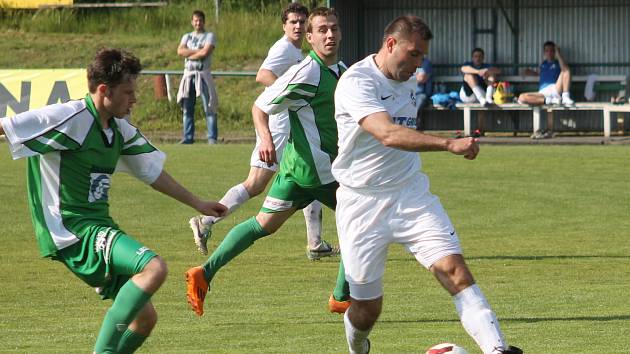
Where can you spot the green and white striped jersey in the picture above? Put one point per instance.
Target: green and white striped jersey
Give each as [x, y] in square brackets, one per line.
[70, 162]
[306, 90]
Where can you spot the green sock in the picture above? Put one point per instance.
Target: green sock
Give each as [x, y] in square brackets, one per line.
[342, 288]
[130, 341]
[129, 301]
[237, 240]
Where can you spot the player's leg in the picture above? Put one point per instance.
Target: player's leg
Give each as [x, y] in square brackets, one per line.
[139, 330]
[257, 180]
[531, 98]
[188, 108]
[563, 85]
[364, 235]
[128, 258]
[427, 232]
[209, 99]
[490, 81]
[279, 205]
[472, 86]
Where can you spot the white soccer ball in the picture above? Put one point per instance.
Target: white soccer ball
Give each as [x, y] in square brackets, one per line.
[446, 348]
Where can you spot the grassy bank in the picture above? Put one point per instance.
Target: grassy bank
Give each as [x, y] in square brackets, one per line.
[69, 38]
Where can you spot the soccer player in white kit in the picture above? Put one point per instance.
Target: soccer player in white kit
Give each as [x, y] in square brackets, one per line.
[383, 196]
[285, 53]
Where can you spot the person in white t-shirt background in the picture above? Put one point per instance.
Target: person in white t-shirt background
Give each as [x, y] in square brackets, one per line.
[285, 53]
[384, 198]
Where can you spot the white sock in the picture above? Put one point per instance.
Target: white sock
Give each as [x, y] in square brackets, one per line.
[566, 95]
[357, 340]
[233, 198]
[479, 94]
[489, 93]
[313, 218]
[479, 320]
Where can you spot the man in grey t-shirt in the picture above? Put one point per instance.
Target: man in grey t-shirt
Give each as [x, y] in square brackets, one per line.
[197, 48]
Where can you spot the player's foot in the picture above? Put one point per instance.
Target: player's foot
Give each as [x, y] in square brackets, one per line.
[567, 101]
[324, 249]
[201, 233]
[336, 306]
[512, 350]
[552, 100]
[196, 289]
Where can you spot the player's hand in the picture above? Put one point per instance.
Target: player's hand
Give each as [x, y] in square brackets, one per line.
[483, 73]
[469, 147]
[211, 208]
[267, 152]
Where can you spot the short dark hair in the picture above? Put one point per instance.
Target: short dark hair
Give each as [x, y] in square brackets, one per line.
[293, 8]
[404, 26]
[549, 43]
[478, 50]
[111, 67]
[199, 14]
[320, 11]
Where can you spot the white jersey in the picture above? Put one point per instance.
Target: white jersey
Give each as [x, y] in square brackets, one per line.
[363, 162]
[282, 55]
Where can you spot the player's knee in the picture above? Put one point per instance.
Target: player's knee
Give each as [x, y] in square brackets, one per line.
[365, 313]
[157, 270]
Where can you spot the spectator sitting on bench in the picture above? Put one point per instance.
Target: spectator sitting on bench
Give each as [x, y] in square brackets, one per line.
[555, 80]
[479, 79]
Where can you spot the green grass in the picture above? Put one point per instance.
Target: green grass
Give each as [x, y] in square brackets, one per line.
[544, 228]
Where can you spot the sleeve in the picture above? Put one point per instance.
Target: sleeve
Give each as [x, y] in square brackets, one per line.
[428, 67]
[277, 61]
[211, 39]
[360, 97]
[291, 91]
[184, 39]
[45, 130]
[139, 157]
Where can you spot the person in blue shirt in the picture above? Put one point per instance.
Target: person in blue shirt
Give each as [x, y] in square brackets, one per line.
[479, 79]
[424, 91]
[555, 79]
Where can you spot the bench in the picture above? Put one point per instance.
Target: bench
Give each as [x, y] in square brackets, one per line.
[615, 83]
[606, 109]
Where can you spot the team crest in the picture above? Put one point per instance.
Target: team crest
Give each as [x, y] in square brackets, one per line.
[99, 187]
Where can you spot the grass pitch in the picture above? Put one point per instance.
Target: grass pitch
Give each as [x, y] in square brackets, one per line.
[544, 229]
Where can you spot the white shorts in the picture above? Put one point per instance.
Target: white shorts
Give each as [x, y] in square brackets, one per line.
[368, 222]
[279, 141]
[465, 98]
[549, 90]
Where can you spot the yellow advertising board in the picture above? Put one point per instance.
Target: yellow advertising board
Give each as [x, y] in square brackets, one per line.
[25, 89]
[33, 4]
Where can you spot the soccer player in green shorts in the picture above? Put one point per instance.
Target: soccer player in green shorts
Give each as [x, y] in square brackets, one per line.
[73, 149]
[306, 90]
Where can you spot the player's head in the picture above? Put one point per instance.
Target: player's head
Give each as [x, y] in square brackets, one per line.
[294, 22]
[112, 77]
[198, 20]
[405, 43]
[477, 56]
[549, 50]
[323, 32]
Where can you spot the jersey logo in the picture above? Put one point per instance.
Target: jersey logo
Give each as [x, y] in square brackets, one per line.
[385, 97]
[99, 187]
[413, 98]
[409, 122]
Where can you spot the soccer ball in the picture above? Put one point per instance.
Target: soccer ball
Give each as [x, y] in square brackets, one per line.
[446, 348]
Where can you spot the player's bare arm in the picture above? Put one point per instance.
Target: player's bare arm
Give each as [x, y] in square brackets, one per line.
[265, 77]
[169, 186]
[202, 53]
[267, 149]
[184, 51]
[561, 61]
[392, 135]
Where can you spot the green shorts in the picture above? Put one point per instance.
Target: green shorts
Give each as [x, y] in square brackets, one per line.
[105, 258]
[286, 194]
